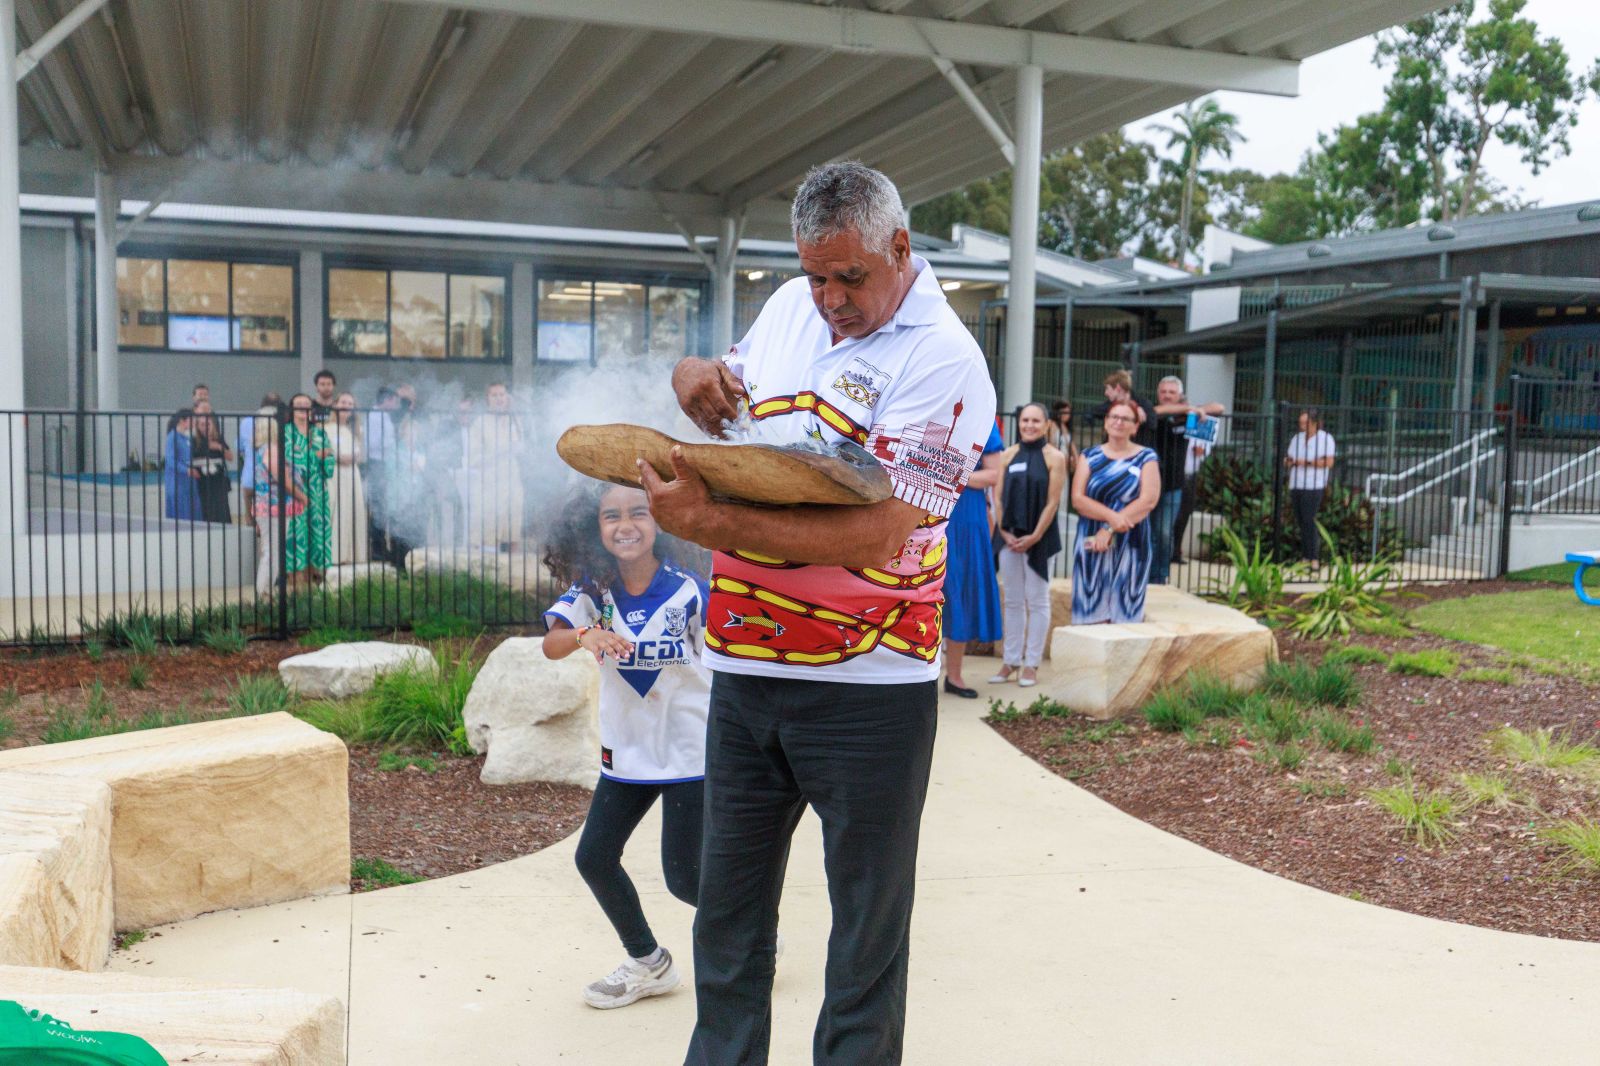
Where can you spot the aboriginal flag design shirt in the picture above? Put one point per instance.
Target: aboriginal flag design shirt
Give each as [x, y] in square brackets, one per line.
[652, 704]
[916, 394]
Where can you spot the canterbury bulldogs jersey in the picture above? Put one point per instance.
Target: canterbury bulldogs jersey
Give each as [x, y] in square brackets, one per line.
[653, 703]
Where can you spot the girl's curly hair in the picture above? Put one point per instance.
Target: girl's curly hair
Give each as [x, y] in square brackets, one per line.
[575, 556]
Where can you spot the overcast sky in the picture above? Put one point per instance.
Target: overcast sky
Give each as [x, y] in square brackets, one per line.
[1337, 86]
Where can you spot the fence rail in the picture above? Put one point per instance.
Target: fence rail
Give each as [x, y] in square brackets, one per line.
[369, 520]
[439, 517]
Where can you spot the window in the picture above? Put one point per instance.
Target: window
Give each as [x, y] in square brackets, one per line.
[589, 321]
[205, 305]
[417, 314]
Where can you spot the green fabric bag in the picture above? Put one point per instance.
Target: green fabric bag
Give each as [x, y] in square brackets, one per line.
[36, 1039]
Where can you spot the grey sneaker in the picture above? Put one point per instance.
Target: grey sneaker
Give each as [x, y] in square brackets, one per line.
[632, 981]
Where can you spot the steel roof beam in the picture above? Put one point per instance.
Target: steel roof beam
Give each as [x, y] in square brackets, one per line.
[62, 75]
[29, 57]
[457, 84]
[410, 49]
[159, 56]
[349, 189]
[512, 78]
[870, 32]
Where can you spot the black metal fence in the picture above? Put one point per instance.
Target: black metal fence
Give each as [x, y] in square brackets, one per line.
[273, 524]
[1435, 491]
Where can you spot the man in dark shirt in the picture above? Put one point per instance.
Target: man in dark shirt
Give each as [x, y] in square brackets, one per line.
[1172, 447]
[1119, 389]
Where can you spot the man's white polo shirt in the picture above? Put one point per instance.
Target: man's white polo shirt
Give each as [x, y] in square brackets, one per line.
[917, 395]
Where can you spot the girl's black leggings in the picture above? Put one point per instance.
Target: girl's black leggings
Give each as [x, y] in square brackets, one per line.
[614, 813]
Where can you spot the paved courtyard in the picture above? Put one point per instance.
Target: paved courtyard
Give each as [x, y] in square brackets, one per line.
[1050, 929]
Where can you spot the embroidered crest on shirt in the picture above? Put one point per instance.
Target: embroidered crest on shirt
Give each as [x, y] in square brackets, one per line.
[862, 383]
[677, 619]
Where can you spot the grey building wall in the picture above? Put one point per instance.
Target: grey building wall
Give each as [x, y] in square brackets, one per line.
[46, 324]
[163, 381]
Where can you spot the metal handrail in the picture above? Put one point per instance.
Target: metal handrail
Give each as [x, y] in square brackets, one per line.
[1530, 483]
[1471, 443]
[1460, 468]
[1554, 496]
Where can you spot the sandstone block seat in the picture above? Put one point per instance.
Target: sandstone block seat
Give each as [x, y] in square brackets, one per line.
[342, 670]
[1108, 670]
[55, 871]
[234, 813]
[535, 717]
[188, 1022]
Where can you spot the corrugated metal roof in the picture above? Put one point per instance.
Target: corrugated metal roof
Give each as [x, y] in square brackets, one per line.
[552, 108]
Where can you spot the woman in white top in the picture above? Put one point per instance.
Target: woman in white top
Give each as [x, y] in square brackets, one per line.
[1309, 460]
[494, 475]
[347, 498]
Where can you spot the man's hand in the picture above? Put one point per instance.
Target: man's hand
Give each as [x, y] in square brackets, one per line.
[683, 505]
[708, 393]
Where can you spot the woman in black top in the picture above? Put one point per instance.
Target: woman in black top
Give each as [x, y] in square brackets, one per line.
[1030, 497]
[210, 459]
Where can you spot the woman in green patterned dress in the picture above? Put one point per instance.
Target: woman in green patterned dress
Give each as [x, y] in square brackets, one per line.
[310, 540]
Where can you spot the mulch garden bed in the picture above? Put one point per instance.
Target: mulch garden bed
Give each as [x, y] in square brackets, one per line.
[426, 821]
[1316, 826]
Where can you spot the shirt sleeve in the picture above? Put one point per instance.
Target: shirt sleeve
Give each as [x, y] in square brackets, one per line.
[929, 429]
[996, 443]
[575, 607]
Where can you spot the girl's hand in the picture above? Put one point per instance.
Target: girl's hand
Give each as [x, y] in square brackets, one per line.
[603, 642]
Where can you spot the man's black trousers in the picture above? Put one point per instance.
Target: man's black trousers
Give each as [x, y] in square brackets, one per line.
[859, 755]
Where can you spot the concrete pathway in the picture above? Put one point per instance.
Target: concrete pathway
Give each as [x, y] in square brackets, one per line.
[1050, 928]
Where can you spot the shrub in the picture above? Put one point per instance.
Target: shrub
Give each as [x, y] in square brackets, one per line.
[1269, 719]
[1326, 685]
[1426, 817]
[1488, 790]
[1356, 655]
[1288, 757]
[1338, 733]
[375, 873]
[349, 720]
[225, 641]
[1430, 662]
[391, 761]
[1214, 697]
[1350, 591]
[1002, 712]
[1546, 748]
[1237, 487]
[1258, 579]
[422, 705]
[1171, 710]
[138, 673]
[322, 636]
[1579, 841]
[445, 627]
[140, 636]
[258, 694]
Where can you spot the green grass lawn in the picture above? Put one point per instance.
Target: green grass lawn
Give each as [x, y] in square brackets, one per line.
[1546, 623]
[1561, 572]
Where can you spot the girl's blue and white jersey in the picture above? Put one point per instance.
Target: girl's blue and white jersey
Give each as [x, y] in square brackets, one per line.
[653, 704]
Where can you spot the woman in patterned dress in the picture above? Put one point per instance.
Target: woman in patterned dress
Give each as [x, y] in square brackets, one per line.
[306, 447]
[1116, 486]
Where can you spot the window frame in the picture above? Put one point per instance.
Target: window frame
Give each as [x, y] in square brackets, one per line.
[482, 268]
[168, 252]
[554, 272]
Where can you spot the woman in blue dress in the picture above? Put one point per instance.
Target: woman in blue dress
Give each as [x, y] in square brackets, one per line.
[971, 593]
[178, 476]
[1116, 486]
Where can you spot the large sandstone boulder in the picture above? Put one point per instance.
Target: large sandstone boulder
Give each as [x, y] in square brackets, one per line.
[536, 718]
[1108, 670]
[188, 1022]
[233, 813]
[55, 871]
[342, 670]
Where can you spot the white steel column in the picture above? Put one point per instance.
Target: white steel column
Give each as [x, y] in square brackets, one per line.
[13, 516]
[725, 286]
[1017, 389]
[313, 319]
[106, 313]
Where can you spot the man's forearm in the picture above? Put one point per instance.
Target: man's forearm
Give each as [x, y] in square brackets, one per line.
[824, 535]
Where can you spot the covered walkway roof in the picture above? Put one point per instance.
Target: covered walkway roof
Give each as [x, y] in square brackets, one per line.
[1387, 304]
[613, 113]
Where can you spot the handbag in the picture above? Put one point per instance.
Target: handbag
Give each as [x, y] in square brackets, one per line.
[35, 1038]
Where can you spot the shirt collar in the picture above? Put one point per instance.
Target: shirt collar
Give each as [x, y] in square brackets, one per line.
[923, 302]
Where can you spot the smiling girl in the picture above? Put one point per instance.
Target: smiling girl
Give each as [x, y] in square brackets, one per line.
[633, 608]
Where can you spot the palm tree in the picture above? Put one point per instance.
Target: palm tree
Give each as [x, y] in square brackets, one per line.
[1202, 129]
